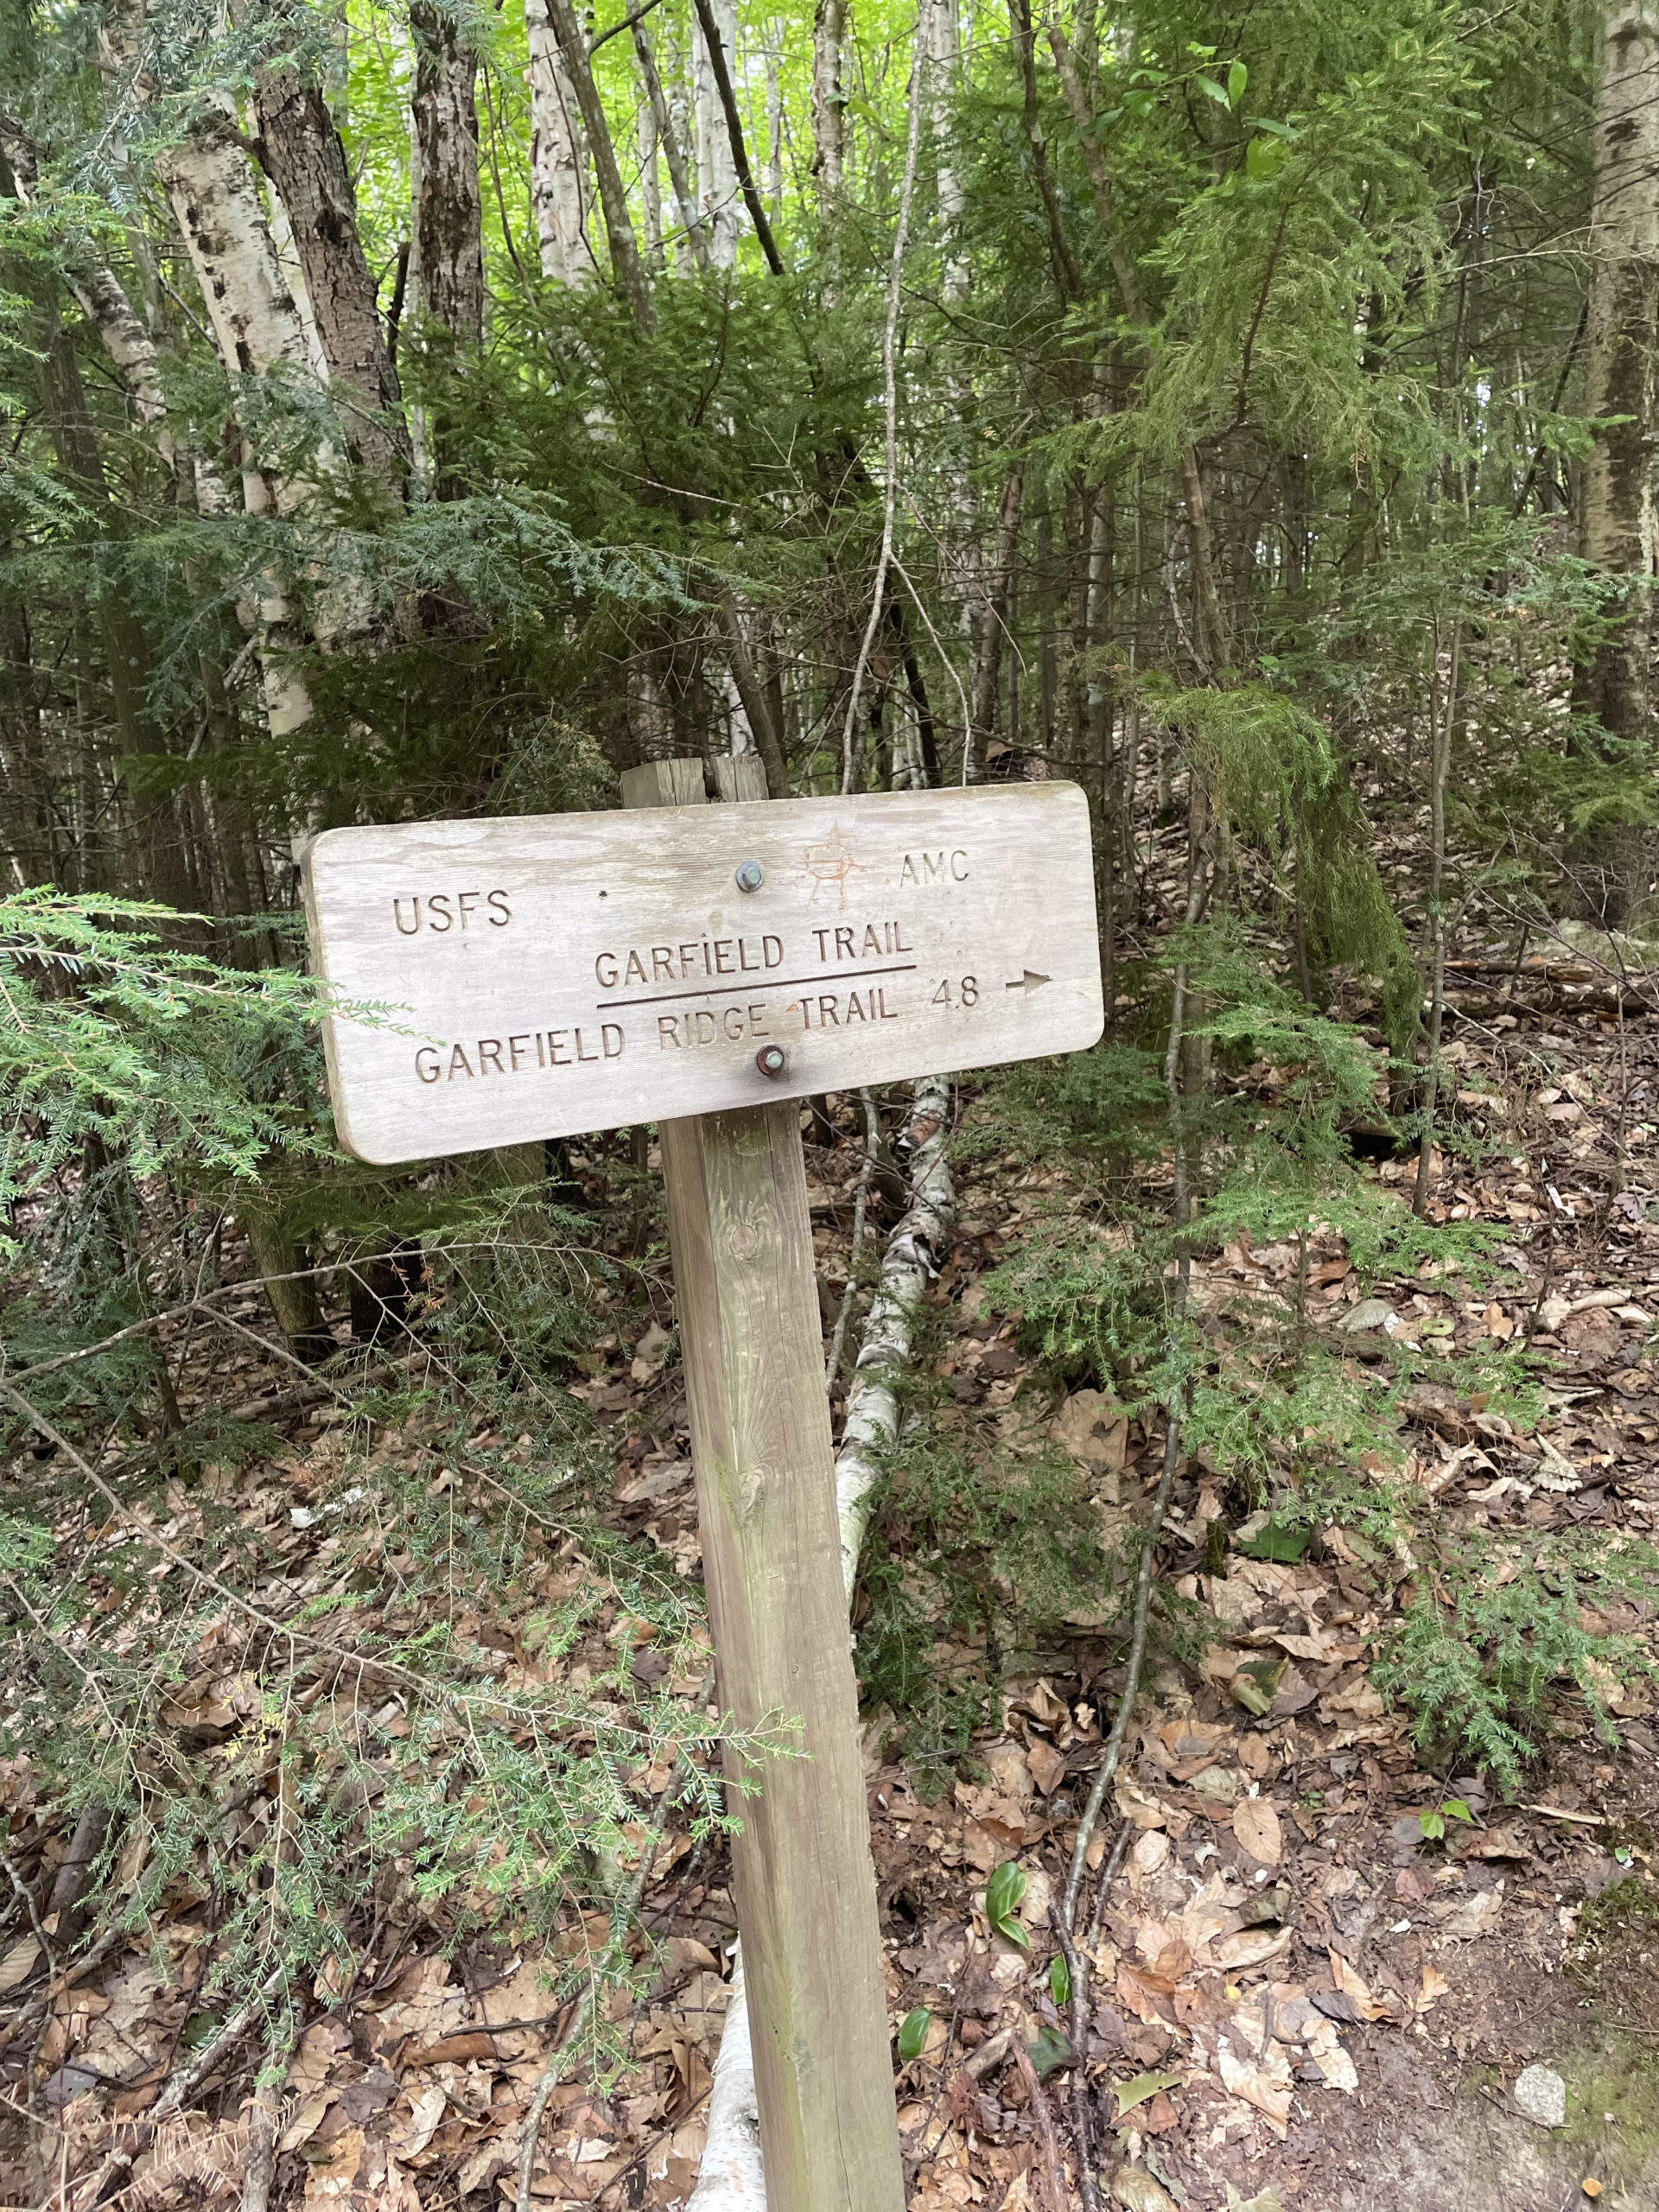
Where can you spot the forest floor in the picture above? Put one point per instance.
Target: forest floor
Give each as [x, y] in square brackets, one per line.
[1301, 1999]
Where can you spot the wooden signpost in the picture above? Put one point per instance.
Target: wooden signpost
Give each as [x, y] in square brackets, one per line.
[705, 969]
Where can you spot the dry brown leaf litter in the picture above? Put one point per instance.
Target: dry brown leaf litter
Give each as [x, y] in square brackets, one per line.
[1281, 1941]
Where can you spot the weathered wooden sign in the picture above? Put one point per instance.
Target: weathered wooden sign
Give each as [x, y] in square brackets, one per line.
[570, 972]
[702, 968]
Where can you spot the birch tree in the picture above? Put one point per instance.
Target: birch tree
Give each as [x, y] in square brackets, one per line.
[829, 100]
[558, 158]
[717, 192]
[1619, 535]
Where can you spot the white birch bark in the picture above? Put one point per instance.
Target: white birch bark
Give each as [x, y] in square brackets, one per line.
[717, 198]
[829, 100]
[731, 2178]
[668, 126]
[742, 729]
[651, 190]
[257, 327]
[103, 300]
[914, 1251]
[942, 43]
[255, 319]
[558, 158]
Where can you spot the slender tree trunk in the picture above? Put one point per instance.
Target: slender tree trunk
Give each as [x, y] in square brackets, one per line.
[651, 190]
[673, 154]
[103, 300]
[558, 158]
[157, 861]
[1067, 280]
[256, 324]
[449, 214]
[718, 49]
[768, 738]
[716, 169]
[1618, 534]
[774, 137]
[1213, 641]
[941, 43]
[626, 265]
[829, 101]
[990, 628]
[284, 1268]
[1439, 776]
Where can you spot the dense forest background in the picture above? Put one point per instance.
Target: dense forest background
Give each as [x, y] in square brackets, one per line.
[440, 409]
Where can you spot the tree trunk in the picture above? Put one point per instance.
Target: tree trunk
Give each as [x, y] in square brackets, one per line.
[989, 627]
[1212, 641]
[103, 300]
[651, 191]
[774, 138]
[626, 265]
[669, 139]
[301, 154]
[718, 46]
[829, 101]
[256, 326]
[1617, 524]
[716, 170]
[942, 41]
[215, 203]
[1067, 280]
[768, 739]
[285, 1276]
[558, 159]
[448, 216]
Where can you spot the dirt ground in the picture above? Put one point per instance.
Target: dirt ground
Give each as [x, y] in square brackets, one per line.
[1298, 1997]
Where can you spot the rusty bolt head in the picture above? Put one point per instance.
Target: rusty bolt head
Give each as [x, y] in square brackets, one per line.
[771, 1059]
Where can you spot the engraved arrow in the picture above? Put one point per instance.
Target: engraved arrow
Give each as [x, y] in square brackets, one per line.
[1028, 981]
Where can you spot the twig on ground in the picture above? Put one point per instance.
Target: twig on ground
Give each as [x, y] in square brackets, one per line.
[1048, 2142]
[188, 2079]
[989, 2056]
[182, 2086]
[27, 1895]
[1137, 1655]
[265, 2115]
[1077, 1967]
[93, 1955]
[1113, 1859]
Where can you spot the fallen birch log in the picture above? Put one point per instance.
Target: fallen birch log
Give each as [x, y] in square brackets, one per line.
[914, 1251]
[730, 2178]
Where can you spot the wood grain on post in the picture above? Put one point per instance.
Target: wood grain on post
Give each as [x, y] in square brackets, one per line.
[804, 1884]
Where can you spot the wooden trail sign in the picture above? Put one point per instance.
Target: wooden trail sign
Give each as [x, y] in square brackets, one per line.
[977, 909]
[562, 973]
